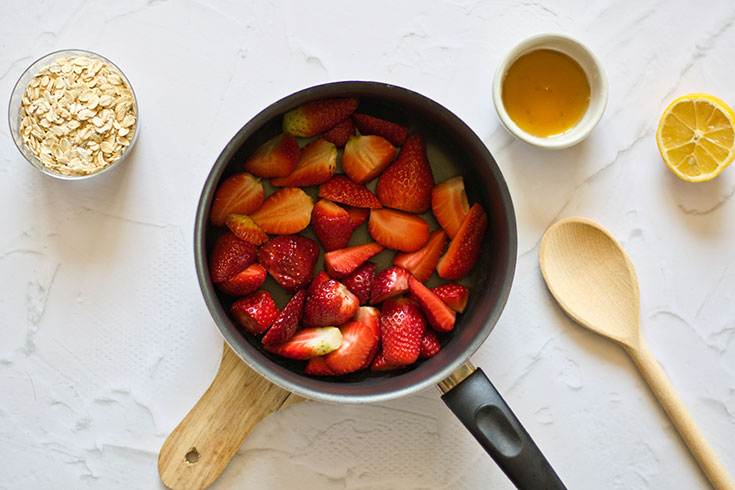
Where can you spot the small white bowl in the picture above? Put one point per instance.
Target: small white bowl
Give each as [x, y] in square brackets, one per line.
[595, 76]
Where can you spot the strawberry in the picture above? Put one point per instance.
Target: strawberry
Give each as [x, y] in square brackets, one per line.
[317, 367]
[316, 165]
[240, 193]
[308, 343]
[245, 282]
[330, 303]
[440, 316]
[255, 313]
[229, 257]
[389, 283]
[391, 131]
[430, 345]
[341, 189]
[290, 260]
[370, 316]
[407, 183]
[454, 295]
[312, 118]
[360, 282]
[246, 229]
[320, 277]
[398, 230]
[449, 204]
[358, 215]
[332, 225]
[358, 342]
[276, 157]
[465, 246]
[402, 327]
[380, 364]
[287, 321]
[340, 133]
[422, 262]
[366, 156]
[342, 262]
[284, 212]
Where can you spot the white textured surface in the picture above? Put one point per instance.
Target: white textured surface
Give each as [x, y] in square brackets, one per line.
[106, 342]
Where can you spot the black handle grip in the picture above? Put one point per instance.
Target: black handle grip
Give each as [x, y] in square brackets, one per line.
[479, 406]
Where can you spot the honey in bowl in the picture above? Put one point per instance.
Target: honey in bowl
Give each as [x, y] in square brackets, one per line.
[545, 92]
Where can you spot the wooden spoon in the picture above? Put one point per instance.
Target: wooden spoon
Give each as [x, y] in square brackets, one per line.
[594, 281]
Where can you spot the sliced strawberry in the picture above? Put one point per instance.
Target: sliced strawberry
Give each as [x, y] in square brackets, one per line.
[407, 183]
[317, 367]
[389, 283]
[402, 327]
[284, 212]
[342, 262]
[240, 193]
[229, 257]
[440, 316]
[287, 321]
[329, 303]
[380, 364]
[358, 341]
[245, 282]
[290, 260]
[308, 343]
[276, 157]
[332, 225]
[312, 118]
[340, 133]
[422, 262]
[358, 215]
[398, 230]
[370, 316]
[465, 246]
[255, 313]
[395, 133]
[430, 345]
[360, 282]
[316, 165]
[246, 229]
[366, 156]
[454, 295]
[449, 204]
[320, 277]
[342, 190]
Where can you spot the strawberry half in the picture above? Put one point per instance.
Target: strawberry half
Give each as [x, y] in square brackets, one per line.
[276, 157]
[290, 260]
[245, 282]
[365, 157]
[316, 165]
[317, 367]
[360, 282]
[246, 229]
[449, 204]
[358, 342]
[320, 277]
[380, 364]
[342, 190]
[402, 327]
[358, 215]
[454, 295]
[240, 193]
[407, 183]
[465, 246]
[422, 262]
[255, 313]
[398, 230]
[287, 321]
[340, 133]
[312, 118]
[308, 343]
[345, 261]
[329, 303]
[389, 283]
[285, 212]
[332, 225]
[370, 316]
[229, 257]
[430, 345]
[395, 133]
[440, 316]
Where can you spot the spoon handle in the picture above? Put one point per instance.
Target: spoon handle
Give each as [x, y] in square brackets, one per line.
[680, 416]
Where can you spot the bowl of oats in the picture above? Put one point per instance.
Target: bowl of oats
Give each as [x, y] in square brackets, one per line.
[73, 114]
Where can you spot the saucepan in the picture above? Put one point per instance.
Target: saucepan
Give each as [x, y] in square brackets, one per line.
[453, 149]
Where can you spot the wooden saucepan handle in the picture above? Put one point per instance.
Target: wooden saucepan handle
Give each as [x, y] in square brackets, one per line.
[201, 446]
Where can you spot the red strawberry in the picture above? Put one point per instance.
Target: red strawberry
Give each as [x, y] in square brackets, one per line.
[366, 156]
[440, 316]
[245, 282]
[422, 262]
[389, 283]
[465, 246]
[287, 321]
[229, 257]
[239, 193]
[380, 364]
[430, 345]
[454, 295]
[402, 327]
[358, 342]
[449, 204]
[360, 282]
[340, 133]
[358, 215]
[276, 157]
[341, 189]
[290, 260]
[317, 165]
[255, 313]
[332, 225]
[407, 183]
[246, 229]
[320, 277]
[317, 367]
[339, 263]
[308, 343]
[398, 230]
[285, 212]
[312, 118]
[330, 303]
[370, 316]
[393, 132]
